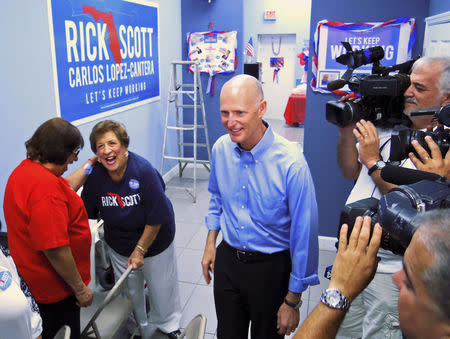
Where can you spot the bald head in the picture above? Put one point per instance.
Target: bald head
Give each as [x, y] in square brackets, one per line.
[244, 83]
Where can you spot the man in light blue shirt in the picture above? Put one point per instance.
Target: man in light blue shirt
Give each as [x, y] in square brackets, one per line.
[263, 201]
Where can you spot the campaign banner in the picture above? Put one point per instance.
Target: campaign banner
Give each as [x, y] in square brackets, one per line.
[395, 36]
[105, 56]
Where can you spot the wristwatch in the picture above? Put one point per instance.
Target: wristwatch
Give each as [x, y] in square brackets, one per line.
[293, 305]
[378, 165]
[333, 298]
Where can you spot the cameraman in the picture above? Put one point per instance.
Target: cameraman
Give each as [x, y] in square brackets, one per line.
[423, 302]
[374, 313]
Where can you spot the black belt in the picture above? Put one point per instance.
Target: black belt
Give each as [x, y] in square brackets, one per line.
[253, 256]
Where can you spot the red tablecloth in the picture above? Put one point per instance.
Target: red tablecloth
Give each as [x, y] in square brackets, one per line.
[295, 109]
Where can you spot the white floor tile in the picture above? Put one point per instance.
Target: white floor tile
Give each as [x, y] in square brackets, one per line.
[189, 265]
[202, 301]
[186, 290]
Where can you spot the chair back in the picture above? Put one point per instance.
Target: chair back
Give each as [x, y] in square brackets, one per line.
[63, 333]
[195, 329]
[112, 312]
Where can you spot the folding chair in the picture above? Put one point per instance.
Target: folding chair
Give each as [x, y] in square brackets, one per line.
[195, 329]
[63, 333]
[112, 312]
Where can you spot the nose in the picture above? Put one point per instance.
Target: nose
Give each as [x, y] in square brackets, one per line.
[231, 122]
[106, 149]
[398, 278]
[409, 92]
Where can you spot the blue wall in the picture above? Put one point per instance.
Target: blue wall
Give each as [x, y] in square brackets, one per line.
[321, 136]
[195, 17]
[438, 7]
[27, 94]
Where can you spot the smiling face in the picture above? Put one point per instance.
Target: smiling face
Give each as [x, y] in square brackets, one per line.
[423, 93]
[112, 154]
[418, 314]
[242, 108]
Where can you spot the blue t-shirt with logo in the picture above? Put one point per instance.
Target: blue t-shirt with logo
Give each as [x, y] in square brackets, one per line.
[126, 206]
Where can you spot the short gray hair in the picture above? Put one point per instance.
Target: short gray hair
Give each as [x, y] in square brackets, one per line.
[434, 233]
[444, 81]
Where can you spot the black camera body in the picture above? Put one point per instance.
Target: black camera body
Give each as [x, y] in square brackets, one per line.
[381, 95]
[398, 209]
[402, 136]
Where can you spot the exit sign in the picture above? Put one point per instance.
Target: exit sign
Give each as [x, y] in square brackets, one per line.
[270, 15]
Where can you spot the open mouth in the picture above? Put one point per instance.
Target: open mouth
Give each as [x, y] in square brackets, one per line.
[111, 160]
[235, 131]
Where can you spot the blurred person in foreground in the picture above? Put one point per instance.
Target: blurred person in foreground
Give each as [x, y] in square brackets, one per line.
[424, 298]
[48, 231]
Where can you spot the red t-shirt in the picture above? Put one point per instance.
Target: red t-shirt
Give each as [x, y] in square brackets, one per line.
[43, 212]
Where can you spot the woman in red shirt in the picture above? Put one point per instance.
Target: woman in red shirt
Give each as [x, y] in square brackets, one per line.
[48, 230]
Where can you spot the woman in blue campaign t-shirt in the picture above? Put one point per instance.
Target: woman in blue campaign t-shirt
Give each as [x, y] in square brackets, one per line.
[127, 192]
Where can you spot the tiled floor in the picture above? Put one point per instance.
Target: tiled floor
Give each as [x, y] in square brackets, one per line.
[196, 296]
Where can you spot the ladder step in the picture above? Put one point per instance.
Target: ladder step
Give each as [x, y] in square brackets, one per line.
[181, 92]
[189, 106]
[192, 144]
[183, 159]
[180, 128]
[183, 62]
[185, 127]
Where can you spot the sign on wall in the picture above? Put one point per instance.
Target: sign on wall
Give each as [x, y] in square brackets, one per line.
[395, 36]
[105, 56]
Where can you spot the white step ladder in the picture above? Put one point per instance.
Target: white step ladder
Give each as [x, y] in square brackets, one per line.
[176, 93]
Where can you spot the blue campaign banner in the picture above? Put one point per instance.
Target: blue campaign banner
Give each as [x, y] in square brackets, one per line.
[105, 56]
[385, 36]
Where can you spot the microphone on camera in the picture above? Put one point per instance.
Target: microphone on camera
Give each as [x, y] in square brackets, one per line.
[336, 84]
[405, 176]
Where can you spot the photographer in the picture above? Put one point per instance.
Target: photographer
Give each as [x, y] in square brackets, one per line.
[374, 313]
[423, 302]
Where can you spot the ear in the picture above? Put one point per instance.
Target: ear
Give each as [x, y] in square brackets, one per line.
[445, 99]
[262, 108]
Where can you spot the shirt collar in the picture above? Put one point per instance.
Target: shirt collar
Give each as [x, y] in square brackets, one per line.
[262, 145]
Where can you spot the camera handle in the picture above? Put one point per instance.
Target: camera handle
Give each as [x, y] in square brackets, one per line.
[413, 196]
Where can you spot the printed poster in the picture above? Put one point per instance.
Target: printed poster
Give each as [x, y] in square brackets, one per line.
[105, 56]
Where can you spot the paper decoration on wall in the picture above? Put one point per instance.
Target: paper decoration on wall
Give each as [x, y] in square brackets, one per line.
[215, 53]
[276, 63]
[303, 58]
[396, 36]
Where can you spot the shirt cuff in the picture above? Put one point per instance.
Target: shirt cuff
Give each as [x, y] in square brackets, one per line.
[297, 285]
[212, 222]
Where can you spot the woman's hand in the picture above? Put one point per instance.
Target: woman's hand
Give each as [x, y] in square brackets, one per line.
[84, 297]
[136, 259]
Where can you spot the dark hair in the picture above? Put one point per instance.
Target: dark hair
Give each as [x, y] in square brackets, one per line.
[53, 142]
[105, 126]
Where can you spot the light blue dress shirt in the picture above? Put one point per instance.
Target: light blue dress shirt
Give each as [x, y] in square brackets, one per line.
[264, 200]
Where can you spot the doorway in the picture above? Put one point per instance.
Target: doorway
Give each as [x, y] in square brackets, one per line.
[277, 54]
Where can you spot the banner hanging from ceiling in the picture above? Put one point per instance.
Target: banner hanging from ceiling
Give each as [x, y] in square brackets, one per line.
[396, 36]
[105, 56]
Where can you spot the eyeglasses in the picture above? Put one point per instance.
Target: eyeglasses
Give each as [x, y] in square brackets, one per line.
[76, 152]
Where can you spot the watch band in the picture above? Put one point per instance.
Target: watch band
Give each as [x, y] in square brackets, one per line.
[378, 165]
[333, 298]
[293, 305]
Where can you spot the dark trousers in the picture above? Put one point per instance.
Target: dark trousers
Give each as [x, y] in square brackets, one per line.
[249, 288]
[56, 315]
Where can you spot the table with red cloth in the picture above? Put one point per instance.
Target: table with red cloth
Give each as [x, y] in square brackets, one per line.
[295, 109]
